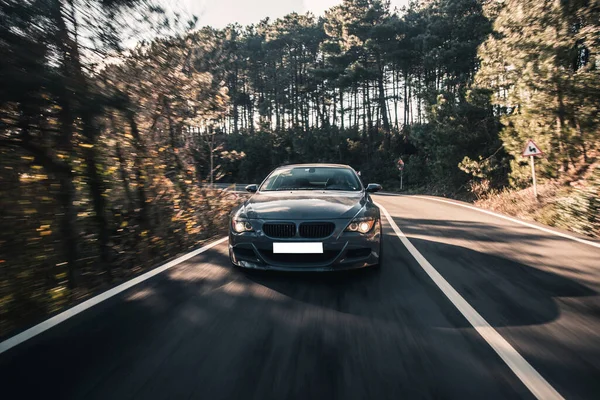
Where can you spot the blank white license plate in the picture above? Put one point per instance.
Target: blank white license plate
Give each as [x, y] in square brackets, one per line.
[298, 248]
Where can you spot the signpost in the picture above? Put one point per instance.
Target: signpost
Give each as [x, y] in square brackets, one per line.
[401, 168]
[532, 150]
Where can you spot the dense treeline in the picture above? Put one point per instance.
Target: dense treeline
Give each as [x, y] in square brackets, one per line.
[94, 186]
[455, 87]
[362, 85]
[104, 148]
[542, 66]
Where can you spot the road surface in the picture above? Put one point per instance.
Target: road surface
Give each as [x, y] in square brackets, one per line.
[205, 330]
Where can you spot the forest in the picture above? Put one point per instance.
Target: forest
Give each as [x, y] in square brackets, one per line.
[116, 114]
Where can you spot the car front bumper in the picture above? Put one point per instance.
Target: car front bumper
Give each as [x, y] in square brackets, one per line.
[341, 251]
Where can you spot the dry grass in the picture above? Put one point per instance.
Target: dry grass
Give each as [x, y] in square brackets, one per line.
[573, 204]
[522, 203]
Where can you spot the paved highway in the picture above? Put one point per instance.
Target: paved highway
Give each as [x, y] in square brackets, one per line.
[513, 312]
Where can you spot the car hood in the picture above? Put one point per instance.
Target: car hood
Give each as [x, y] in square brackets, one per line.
[304, 205]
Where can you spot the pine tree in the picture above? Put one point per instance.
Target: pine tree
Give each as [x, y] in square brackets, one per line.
[541, 63]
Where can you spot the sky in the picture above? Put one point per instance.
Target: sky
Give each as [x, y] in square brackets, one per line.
[219, 13]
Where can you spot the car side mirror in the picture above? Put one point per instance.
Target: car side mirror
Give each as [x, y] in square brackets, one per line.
[252, 188]
[373, 187]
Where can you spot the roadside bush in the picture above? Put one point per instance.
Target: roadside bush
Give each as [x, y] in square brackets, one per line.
[580, 212]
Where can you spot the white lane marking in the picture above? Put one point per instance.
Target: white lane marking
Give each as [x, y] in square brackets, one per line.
[63, 316]
[540, 388]
[518, 221]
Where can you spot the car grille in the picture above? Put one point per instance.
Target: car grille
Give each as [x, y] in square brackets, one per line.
[300, 259]
[285, 230]
[316, 230]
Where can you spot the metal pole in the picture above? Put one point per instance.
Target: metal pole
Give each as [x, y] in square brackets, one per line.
[533, 175]
[401, 178]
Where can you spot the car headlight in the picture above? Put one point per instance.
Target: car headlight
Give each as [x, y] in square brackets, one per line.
[362, 225]
[240, 226]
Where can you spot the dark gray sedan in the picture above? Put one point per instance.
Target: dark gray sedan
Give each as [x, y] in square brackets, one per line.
[315, 217]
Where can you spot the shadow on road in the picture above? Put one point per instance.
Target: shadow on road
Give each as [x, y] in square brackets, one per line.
[505, 292]
[208, 330]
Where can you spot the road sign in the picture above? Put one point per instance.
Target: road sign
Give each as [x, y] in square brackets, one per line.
[400, 164]
[531, 149]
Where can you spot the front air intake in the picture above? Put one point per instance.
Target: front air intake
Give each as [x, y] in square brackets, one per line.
[316, 230]
[280, 230]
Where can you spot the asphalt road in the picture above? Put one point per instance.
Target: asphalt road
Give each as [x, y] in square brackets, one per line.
[205, 330]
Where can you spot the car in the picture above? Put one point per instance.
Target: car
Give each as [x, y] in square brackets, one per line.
[307, 217]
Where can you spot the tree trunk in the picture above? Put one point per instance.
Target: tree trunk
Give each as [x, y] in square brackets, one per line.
[406, 99]
[560, 124]
[396, 76]
[324, 112]
[582, 141]
[124, 177]
[140, 177]
[356, 123]
[68, 233]
[97, 190]
[335, 113]
[173, 136]
[66, 118]
[342, 108]
[382, 99]
[73, 69]
[367, 108]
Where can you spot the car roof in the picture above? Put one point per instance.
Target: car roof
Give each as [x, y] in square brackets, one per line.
[315, 165]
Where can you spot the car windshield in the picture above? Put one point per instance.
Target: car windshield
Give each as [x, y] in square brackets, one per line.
[312, 178]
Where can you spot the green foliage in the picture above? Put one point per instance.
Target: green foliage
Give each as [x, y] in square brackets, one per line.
[104, 152]
[460, 130]
[542, 67]
[362, 86]
[580, 211]
[97, 165]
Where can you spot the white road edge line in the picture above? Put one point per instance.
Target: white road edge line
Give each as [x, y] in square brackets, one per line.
[518, 221]
[540, 388]
[63, 316]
